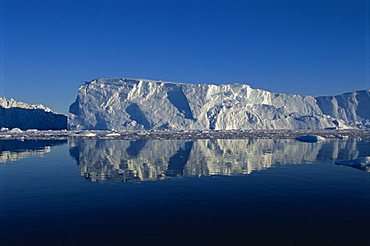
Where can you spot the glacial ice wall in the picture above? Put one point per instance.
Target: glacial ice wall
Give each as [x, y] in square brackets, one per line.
[136, 104]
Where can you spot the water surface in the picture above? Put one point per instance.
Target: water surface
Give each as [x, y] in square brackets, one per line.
[178, 192]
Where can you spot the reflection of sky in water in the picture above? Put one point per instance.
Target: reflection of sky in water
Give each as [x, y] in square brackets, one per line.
[120, 160]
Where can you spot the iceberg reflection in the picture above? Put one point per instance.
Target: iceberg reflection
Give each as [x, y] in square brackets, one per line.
[13, 150]
[142, 160]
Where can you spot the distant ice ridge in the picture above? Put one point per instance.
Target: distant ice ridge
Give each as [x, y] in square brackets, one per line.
[25, 116]
[5, 103]
[136, 104]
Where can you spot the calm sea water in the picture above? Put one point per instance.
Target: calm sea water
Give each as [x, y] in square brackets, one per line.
[176, 192]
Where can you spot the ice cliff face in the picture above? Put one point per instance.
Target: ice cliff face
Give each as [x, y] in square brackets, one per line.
[21, 115]
[133, 104]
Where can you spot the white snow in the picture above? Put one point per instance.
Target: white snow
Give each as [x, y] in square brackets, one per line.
[84, 134]
[137, 104]
[5, 103]
[15, 130]
[31, 130]
[113, 134]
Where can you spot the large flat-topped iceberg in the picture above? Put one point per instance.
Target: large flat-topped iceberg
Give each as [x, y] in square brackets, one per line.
[133, 104]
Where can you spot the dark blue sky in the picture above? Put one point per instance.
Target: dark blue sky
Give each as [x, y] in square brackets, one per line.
[49, 48]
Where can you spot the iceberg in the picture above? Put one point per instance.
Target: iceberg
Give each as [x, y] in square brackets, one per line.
[140, 104]
[22, 116]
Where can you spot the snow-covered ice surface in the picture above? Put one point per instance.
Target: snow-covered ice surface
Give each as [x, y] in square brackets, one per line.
[5, 103]
[138, 104]
[25, 116]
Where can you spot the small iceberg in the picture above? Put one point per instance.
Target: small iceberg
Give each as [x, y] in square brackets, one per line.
[362, 163]
[310, 138]
[86, 134]
[113, 134]
[31, 130]
[15, 130]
